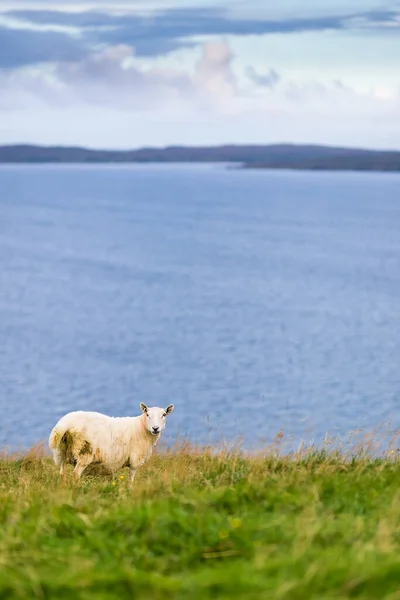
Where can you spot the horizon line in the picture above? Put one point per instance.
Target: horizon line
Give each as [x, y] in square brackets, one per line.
[196, 146]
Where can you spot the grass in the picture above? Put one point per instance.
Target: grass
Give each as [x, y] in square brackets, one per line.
[201, 524]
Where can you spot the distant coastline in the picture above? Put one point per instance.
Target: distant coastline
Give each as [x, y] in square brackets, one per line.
[274, 156]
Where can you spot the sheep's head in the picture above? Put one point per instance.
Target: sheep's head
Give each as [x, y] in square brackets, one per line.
[155, 417]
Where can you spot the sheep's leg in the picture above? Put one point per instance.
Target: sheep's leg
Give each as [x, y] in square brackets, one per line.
[132, 473]
[59, 461]
[79, 468]
[62, 468]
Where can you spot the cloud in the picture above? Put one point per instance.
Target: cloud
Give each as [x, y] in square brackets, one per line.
[113, 77]
[109, 78]
[158, 32]
[314, 114]
[214, 71]
[84, 62]
[268, 80]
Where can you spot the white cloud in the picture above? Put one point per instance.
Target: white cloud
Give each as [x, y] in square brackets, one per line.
[213, 73]
[114, 77]
[108, 78]
[269, 79]
[114, 100]
[19, 24]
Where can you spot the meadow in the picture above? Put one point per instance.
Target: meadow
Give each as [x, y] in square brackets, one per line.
[204, 523]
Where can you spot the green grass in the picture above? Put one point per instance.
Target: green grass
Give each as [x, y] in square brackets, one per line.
[201, 525]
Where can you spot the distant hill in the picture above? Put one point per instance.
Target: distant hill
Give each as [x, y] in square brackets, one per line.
[277, 156]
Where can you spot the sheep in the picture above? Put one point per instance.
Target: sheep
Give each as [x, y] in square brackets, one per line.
[82, 438]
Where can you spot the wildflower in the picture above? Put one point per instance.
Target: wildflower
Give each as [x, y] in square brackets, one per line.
[223, 534]
[114, 483]
[121, 476]
[236, 523]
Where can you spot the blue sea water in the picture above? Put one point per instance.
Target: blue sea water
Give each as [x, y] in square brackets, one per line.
[252, 300]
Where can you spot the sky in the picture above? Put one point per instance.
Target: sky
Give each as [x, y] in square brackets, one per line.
[126, 74]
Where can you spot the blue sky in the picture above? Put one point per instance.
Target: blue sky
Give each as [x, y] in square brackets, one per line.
[128, 74]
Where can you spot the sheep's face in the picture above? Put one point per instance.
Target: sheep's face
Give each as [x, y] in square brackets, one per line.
[156, 417]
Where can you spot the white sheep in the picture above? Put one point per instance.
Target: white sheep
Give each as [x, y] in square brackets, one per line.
[83, 438]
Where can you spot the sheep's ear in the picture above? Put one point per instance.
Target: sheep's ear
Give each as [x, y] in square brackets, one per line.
[169, 409]
[143, 407]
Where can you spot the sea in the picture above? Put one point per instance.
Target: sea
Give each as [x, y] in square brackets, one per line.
[263, 304]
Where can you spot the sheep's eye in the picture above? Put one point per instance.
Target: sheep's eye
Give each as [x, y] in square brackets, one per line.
[165, 414]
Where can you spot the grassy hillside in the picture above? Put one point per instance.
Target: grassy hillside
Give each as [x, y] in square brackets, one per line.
[204, 525]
